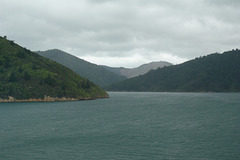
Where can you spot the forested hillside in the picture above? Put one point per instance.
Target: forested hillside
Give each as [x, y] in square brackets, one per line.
[93, 72]
[212, 73]
[26, 75]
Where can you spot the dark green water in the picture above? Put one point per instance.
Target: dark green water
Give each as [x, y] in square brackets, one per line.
[131, 126]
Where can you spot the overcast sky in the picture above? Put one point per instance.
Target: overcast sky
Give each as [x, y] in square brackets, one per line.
[124, 32]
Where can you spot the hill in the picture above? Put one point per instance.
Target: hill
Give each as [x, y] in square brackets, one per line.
[212, 73]
[93, 72]
[25, 75]
[134, 72]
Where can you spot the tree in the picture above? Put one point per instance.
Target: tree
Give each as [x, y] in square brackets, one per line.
[26, 76]
[12, 43]
[50, 80]
[34, 67]
[20, 54]
[7, 62]
[86, 84]
[20, 69]
[12, 77]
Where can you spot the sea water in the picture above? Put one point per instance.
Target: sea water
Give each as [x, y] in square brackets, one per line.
[127, 126]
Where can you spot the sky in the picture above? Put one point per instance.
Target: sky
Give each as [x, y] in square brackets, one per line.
[124, 33]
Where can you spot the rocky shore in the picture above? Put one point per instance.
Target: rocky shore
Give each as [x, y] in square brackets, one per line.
[47, 99]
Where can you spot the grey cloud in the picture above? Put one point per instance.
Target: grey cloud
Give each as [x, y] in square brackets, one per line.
[111, 28]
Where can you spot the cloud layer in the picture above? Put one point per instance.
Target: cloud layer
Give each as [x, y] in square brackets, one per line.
[124, 33]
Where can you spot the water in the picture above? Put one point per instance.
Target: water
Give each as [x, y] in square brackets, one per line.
[131, 126]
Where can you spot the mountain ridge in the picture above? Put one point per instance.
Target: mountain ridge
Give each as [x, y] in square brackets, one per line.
[212, 73]
[93, 72]
[142, 69]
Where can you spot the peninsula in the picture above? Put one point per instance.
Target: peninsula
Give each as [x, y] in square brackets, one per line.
[26, 76]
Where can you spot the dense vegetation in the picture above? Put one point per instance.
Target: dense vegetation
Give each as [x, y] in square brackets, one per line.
[212, 73]
[93, 72]
[24, 75]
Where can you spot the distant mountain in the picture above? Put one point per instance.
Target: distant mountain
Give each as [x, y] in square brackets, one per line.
[26, 76]
[212, 73]
[134, 72]
[93, 72]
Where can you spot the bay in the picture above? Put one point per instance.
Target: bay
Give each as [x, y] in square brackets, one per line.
[128, 125]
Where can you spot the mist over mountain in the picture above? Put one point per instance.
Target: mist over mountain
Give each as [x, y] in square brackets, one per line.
[213, 73]
[93, 72]
[134, 72]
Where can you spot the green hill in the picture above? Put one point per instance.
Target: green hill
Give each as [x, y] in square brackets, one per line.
[212, 73]
[26, 75]
[97, 74]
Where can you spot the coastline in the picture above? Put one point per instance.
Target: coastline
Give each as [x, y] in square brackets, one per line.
[49, 99]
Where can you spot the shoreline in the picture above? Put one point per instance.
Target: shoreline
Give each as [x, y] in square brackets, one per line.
[49, 99]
